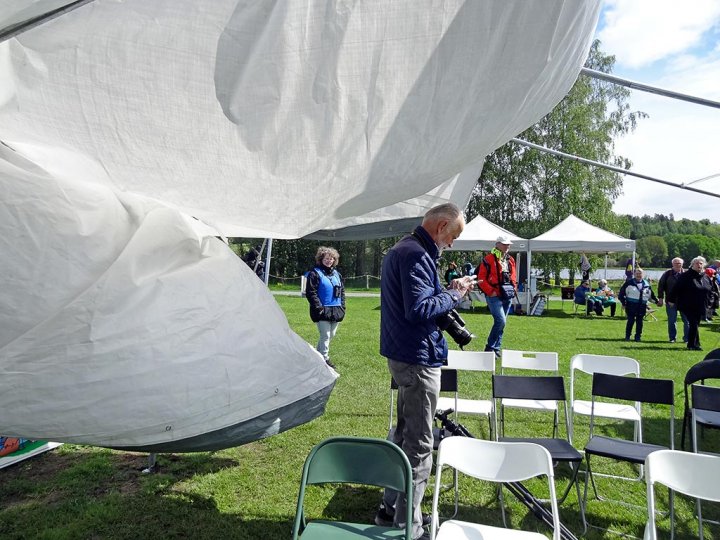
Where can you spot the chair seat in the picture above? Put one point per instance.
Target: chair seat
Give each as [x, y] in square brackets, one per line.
[457, 530]
[632, 452]
[538, 404]
[707, 418]
[607, 410]
[466, 406]
[332, 530]
[559, 449]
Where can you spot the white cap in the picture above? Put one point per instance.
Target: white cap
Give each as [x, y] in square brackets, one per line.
[504, 239]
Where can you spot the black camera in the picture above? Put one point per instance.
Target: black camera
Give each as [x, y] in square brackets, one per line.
[453, 324]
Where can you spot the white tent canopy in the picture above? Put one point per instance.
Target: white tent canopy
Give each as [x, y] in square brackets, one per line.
[120, 324]
[481, 234]
[575, 235]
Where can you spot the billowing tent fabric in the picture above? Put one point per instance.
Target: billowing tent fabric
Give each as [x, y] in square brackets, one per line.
[124, 326]
[481, 234]
[575, 235]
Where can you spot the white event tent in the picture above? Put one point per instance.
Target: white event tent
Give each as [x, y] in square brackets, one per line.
[577, 236]
[122, 323]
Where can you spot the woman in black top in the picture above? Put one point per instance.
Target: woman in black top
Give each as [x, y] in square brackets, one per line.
[690, 293]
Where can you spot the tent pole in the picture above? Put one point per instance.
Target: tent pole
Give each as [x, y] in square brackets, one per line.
[267, 260]
[529, 285]
[606, 266]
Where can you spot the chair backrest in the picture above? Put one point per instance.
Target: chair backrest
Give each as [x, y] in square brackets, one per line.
[501, 462]
[471, 360]
[706, 398]
[524, 387]
[695, 475]
[598, 363]
[356, 460]
[708, 368]
[639, 390]
[539, 361]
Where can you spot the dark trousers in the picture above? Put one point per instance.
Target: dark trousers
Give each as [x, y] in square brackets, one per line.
[635, 314]
[693, 329]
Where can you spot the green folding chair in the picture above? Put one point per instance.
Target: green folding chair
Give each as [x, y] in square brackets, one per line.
[354, 460]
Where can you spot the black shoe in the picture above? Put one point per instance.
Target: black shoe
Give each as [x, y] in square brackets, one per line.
[672, 341]
[627, 338]
[695, 348]
[386, 516]
[329, 363]
[637, 338]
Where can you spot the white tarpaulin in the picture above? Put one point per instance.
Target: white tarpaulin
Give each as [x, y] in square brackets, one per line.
[121, 325]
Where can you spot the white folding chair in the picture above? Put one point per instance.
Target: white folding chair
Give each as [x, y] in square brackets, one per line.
[470, 361]
[695, 475]
[494, 462]
[612, 365]
[529, 360]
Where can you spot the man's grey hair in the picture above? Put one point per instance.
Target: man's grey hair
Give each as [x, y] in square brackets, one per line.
[448, 211]
[677, 259]
[698, 258]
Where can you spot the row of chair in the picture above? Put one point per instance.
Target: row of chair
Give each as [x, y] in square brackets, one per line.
[547, 393]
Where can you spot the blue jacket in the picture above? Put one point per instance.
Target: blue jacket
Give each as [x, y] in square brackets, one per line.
[411, 298]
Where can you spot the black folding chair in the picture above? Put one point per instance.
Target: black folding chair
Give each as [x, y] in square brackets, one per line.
[708, 368]
[542, 388]
[655, 391]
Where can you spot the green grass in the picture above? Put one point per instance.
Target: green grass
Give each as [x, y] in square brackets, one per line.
[250, 492]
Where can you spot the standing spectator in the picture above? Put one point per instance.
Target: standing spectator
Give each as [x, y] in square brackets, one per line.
[634, 296]
[690, 293]
[411, 301]
[713, 301]
[326, 294]
[468, 269]
[498, 280]
[629, 269]
[665, 287]
[451, 273]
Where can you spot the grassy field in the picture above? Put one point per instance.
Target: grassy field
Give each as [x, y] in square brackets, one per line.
[250, 492]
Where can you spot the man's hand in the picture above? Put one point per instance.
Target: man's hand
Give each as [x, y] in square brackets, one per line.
[463, 284]
[660, 302]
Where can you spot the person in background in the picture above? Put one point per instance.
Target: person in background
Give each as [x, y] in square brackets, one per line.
[326, 294]
[665, 286]
[629, 269]
[585, 267]
[584, 297]
[498, 281]
[451, 273]
[690, 293]
[411, 301]
[606, 296]
[634, 296]
[468, 269]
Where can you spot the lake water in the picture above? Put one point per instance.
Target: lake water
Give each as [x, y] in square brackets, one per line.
[612, 274]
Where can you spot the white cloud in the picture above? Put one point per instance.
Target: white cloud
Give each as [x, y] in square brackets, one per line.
[680, 140]
[640, 32]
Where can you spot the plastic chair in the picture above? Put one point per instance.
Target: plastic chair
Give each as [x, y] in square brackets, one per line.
[708, 368]
[545, 388]
[656, 391]
[695, 475]
[499, 462]
[613, 365]
[535, 361]
[354, 460]
[470, 361]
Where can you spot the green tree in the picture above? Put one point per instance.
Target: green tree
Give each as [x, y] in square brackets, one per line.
[653, 250]
[528, 191]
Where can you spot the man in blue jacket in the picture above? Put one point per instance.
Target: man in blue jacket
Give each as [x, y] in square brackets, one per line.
[411, 300]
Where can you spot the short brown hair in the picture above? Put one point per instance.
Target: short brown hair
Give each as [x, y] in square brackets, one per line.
[324, 250]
